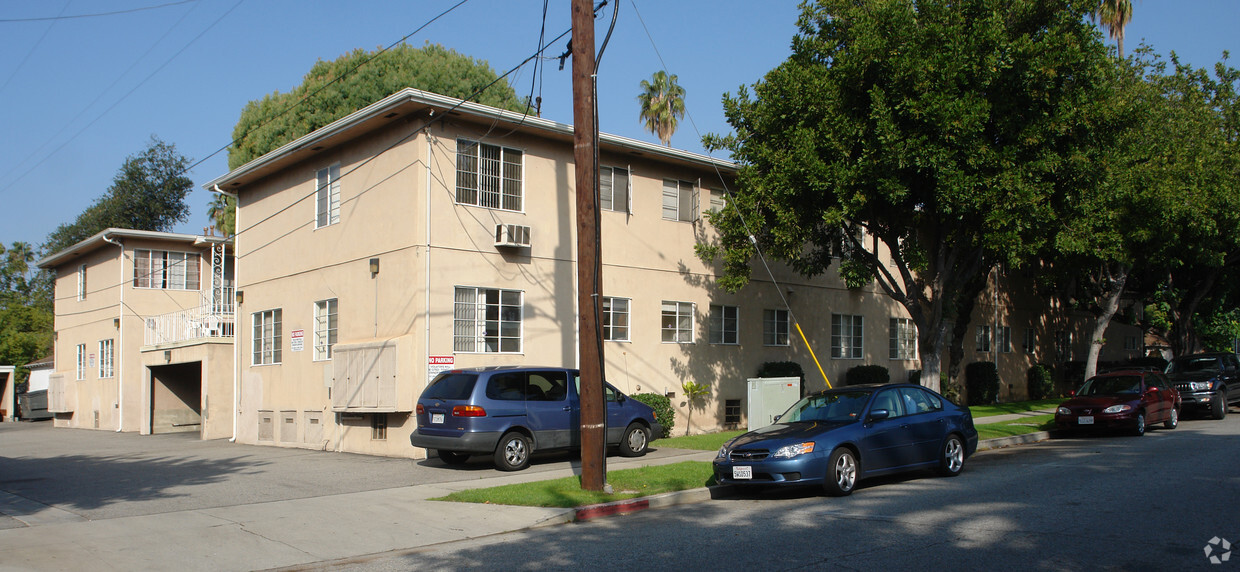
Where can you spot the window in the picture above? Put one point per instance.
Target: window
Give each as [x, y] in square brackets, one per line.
[105, 358]
[486, 320]
[731, 412]
[378, 427]
[677, 322]
[81, 281]
[724, 321]
[1063, 345]
[615, 319]
[1005, 339]
[266, 337]
[983, 338]
[327, 196]
[614, 189]
[846, 336]
[165, 270]
[680, 200]
[81, 362]
[325, 312]
[718, 200]
[488, 176]
[903, 340]
[1130, 343]
[775, 327]
[1031, 341]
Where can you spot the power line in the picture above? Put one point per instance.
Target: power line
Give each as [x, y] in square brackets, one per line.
[95, 15]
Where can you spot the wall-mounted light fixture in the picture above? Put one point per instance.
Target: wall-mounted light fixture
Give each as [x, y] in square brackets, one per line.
[116, 322]
[167, 356]
[240, 296]
[374, 267]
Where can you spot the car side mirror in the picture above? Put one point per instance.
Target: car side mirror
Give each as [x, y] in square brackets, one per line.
[879, 414]
[776, 419]
[1071, 393]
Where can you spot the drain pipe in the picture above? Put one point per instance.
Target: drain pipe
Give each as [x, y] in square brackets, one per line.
[237, 329]
[120, 342]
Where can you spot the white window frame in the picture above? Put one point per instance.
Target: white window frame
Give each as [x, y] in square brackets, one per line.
[607, 189]
[326, 322]
[488, 320]
[983, 338]
[680, 201]
[903, 339]
[167, 270]
[105, 358]
[267, 330]
[775, 323]
[725, 324]
[490, 182]
[847, 336]
[81, 282]
[81, 362]
[616, 323]
[1063, 345]
[327, 196]
[677, 322]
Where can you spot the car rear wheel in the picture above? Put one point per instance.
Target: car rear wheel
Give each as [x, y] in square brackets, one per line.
[952, 461]
[841, 473]
[635, 441]
[1139, 430]
[513, 452]
[1173, 421]
[1218, 409]
[453, 457]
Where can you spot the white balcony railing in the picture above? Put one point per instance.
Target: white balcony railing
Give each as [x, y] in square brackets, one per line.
[208, 320]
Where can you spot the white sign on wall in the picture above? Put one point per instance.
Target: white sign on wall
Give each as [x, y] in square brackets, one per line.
[298, 342]
[438, 364]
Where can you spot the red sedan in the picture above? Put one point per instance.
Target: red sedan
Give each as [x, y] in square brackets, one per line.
[1127, 400]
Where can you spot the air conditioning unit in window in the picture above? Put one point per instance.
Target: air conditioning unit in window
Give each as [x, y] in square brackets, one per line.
[512, 235]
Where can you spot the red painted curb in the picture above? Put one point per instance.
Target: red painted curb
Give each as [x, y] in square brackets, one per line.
[608, 509]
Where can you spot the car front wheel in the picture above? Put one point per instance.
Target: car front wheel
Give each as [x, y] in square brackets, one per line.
[635, 441]
[1219, 408]
[841, 473]
[952, 461]
[1174, 420]
[453, 457]
[1139, 429]
[513, 452]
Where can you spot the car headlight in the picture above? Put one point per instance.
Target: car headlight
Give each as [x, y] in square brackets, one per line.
[723, 452]
[789, 451]
[1063, 411]
[1202, 385]
[1117, 408]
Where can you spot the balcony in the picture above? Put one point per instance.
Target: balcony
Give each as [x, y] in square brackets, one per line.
[211, 319]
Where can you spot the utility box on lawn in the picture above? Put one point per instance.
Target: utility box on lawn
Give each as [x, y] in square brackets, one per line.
[771, 396]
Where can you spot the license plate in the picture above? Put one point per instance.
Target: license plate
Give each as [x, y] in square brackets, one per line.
[742, 472]
[1085, 420]
[437, 418]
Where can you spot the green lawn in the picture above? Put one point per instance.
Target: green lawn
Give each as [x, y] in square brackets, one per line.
[1021, 426]
[567, 493]
[1014, 407]
[707, 442]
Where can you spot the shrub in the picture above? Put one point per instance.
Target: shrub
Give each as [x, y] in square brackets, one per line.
[864, 374]
[914, 376]
[783, 369]
[663, 412]
[1041, 383]
[981, 381]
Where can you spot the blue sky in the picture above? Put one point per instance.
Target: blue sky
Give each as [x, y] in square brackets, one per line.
[79, 94]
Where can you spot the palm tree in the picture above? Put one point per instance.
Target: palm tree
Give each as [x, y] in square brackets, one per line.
[663, 103]
[1115, 15]
[223, 212]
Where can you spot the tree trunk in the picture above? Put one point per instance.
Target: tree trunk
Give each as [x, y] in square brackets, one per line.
[1110, 304]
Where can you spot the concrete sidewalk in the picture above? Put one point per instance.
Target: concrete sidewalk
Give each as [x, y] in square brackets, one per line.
[1011, 416]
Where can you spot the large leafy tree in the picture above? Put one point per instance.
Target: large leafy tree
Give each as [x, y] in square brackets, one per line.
[25, 308]
[946, 130]
[334, 89]
[147, 193]
[662, 103]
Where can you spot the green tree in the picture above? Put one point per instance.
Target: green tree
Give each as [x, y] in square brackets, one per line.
[941, 132]
[662, 105]
[1115, 15]
[223, 213]
[334, 89]
[25, 308]
[147, 193]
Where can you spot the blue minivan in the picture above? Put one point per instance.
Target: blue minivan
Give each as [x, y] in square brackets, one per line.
[510, 412]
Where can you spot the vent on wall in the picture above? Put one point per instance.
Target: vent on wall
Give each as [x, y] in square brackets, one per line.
[512, 235]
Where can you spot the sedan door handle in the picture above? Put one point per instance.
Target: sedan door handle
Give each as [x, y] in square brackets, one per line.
[568, 408]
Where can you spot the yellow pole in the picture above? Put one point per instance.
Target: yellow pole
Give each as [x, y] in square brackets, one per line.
[811, 354]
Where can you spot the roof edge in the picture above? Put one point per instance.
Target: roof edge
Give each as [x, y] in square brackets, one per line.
[98, 238]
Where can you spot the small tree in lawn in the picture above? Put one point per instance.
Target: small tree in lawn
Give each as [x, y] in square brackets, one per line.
[693, 390]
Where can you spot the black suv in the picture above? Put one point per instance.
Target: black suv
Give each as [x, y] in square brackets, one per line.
[1207, 381]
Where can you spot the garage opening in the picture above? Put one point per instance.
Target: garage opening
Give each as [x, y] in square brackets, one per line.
[176, 398]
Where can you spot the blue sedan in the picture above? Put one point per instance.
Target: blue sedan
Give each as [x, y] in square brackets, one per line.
[837, 437]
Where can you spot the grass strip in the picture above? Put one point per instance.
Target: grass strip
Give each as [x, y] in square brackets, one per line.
[1014, 407]
[567, 492]
[706, 442]
[1023, 426]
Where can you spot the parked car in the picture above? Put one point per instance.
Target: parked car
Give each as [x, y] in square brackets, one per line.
[836, 438]
[1207, 381]
[1130, 400]
[511, 412]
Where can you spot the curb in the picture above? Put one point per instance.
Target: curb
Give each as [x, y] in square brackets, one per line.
[1000, 442]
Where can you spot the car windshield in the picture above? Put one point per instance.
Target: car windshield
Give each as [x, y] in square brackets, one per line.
[451, 386]
[1112, 385]
[1190, 365]
[843, 406]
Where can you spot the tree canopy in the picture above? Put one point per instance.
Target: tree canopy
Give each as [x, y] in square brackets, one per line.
[662, 103]
[945, 131]
[25, 308]
[334, 89]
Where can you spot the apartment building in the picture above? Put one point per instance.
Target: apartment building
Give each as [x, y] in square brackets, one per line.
[144, 328]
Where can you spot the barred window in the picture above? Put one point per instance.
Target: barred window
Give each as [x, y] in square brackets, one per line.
[267, 332]
[488, 175]
[105, 358]
[327, 196]
[486, 320]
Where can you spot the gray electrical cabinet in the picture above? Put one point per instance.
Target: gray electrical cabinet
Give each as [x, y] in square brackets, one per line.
[771, 396]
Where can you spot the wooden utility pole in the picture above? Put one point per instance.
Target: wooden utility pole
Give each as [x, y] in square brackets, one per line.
[593, 412]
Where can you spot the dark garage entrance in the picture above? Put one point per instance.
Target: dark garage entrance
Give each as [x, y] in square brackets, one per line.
[176, 398]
